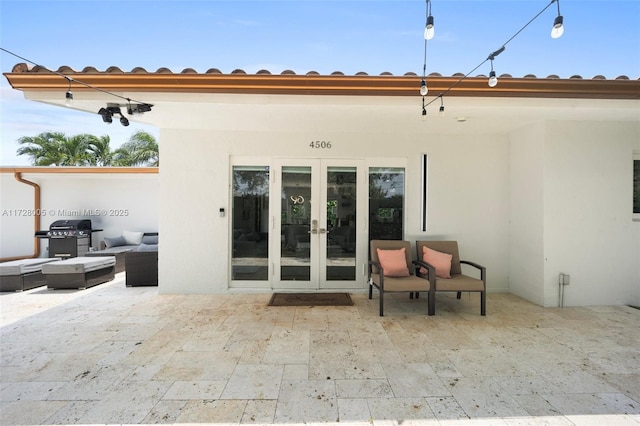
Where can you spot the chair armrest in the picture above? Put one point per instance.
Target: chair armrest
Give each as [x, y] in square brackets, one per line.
[483, 270]
[377, 265]
[431, 270]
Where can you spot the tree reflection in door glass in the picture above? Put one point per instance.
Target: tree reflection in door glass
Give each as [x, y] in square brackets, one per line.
[250, 219]
[386, 203]
[295, 247]
[341, 224]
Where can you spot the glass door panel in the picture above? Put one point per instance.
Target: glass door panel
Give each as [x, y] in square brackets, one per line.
[296, 224]
[341, 203]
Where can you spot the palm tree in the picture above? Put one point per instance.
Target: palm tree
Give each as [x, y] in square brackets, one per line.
[100, 151]
[74, 150]
[43, 148]
[140, 149]
[56, 149]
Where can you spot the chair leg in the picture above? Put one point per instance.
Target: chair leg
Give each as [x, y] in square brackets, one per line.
[381, 302]
[459, 295]
[370, 290]
[431, 302]
[483, 303]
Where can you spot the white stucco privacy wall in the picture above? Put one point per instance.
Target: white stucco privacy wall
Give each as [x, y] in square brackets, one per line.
[113, 202]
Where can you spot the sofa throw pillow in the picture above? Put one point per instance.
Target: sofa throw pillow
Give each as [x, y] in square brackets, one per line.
[393, 262]
[440, 261]
[147, 247]
[149, 239]
[132, 238]
[114, 241]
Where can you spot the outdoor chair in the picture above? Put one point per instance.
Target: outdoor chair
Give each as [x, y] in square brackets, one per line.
[444, 271]
[391, 270]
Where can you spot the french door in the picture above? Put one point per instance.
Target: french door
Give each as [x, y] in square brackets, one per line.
[320, 217]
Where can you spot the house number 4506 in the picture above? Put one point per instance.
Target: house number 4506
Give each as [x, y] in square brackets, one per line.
[320, 144]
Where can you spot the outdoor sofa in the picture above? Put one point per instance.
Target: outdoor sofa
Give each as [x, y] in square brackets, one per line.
[118, 246]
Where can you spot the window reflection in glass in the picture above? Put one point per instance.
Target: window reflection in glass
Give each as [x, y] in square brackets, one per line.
[295, 247]
[386, 203]
[341, 224]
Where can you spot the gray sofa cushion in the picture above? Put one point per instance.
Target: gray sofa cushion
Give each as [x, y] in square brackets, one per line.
[24, 266]
[147, 247]
[149, 239]
[78, 265]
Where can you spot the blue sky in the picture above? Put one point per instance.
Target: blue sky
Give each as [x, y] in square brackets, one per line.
[374, 36]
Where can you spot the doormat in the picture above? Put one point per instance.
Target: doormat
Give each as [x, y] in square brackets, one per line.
[311, 299]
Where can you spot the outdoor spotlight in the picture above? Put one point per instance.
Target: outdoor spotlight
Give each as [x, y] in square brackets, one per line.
[138, 108]
[106, 115]
[68, 98]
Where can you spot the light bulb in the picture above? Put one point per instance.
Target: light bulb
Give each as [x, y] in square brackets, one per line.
[424, 114]
[493, 80]
[429, 30]
[441, 110]
[558, 28]
[68, 98]
[423, 88]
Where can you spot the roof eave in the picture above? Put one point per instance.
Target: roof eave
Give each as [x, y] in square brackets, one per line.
[358, 85]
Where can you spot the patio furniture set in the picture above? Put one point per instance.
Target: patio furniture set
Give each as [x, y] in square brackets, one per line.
[139, 261]
[437, 269]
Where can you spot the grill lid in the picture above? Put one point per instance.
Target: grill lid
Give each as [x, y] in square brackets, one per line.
[71, 224]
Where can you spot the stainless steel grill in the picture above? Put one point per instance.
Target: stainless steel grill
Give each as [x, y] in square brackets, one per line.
[68, 238]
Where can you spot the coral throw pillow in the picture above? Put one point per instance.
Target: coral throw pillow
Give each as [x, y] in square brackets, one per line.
[393, 262]
[441, 261]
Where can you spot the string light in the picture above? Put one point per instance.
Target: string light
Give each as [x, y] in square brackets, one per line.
[69, 95]
[558, 28]
[441, 106]
[429, 29]
[557, 31]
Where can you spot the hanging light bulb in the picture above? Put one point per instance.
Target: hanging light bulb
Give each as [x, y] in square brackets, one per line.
[423, 87]
[441, 112]
[493, 80]
[68, 97]
[424, 114]
[429, 30]
[558, 28]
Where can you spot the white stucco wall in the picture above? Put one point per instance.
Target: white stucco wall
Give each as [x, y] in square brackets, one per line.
[571, 195]
[588, 228]
[113, 202]
[468, 194]
[526, 225]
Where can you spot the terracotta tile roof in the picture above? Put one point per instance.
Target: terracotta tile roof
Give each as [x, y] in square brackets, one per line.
[64, 69]
[213, 80]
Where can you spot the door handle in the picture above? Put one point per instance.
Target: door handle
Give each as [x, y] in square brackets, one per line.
[314, 227]
[323, 231]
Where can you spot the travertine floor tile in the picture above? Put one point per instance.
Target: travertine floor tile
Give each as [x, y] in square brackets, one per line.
[128, 355]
